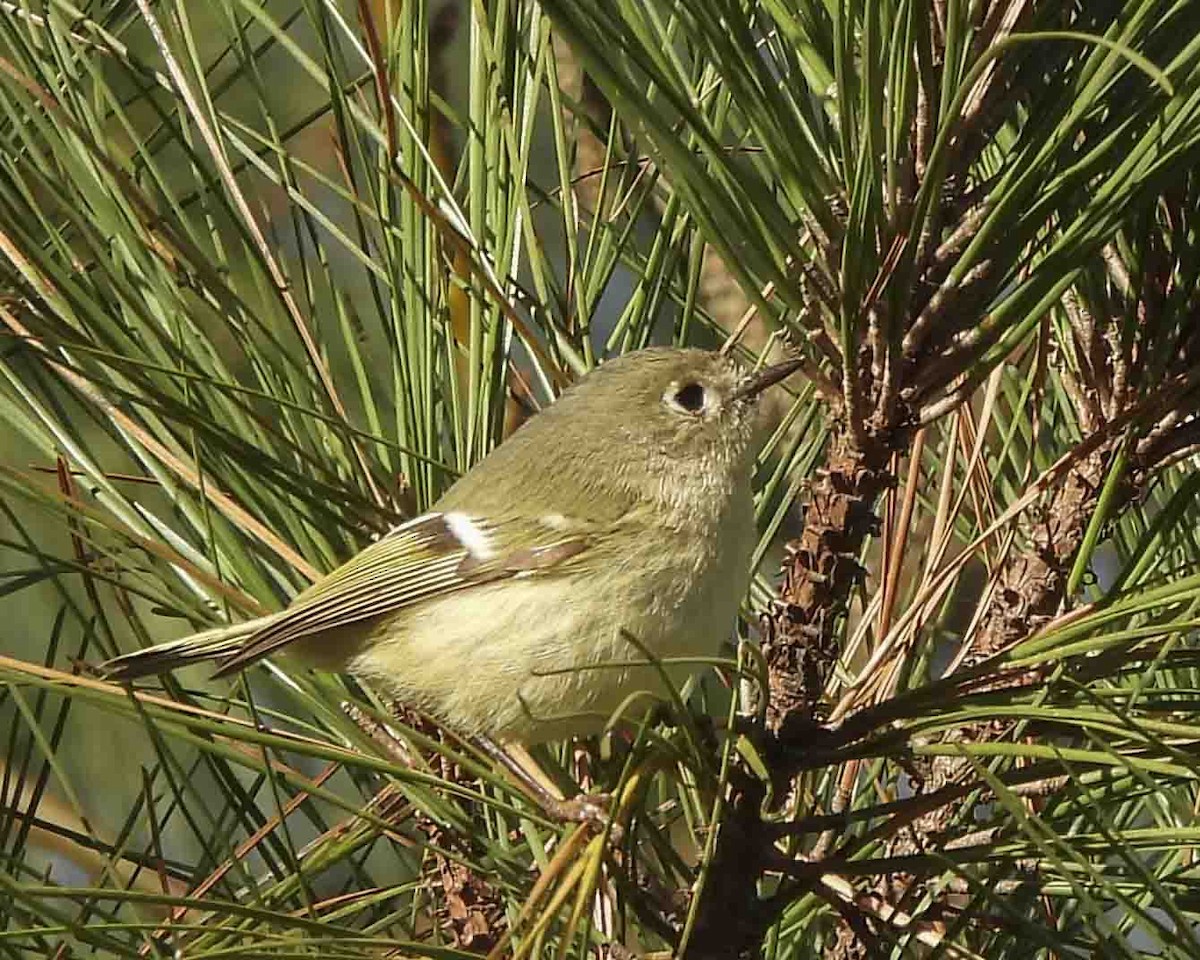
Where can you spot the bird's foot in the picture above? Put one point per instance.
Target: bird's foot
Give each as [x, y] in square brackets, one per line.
[589, 808]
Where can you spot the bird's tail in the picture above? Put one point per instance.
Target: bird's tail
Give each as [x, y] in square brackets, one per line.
[214, 644]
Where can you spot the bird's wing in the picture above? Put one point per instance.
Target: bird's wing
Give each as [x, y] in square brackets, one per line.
[431, 555]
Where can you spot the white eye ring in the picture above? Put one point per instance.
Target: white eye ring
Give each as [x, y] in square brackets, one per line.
[689, 397]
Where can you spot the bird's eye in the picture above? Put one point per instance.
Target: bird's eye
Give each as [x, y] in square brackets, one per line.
[690, 397]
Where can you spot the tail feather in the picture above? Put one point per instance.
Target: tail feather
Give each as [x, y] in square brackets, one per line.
[215, 644]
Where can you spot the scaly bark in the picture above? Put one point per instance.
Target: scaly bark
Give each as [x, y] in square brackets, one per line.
[820, 571]
[1030, 590]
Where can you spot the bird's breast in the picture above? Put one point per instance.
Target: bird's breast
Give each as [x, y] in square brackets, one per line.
[554, 654]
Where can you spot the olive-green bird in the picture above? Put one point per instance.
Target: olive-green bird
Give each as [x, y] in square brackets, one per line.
[615, 523]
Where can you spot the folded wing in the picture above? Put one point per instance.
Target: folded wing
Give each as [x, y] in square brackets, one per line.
[430, 556]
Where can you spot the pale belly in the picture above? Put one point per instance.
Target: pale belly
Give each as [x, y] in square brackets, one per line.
[551, 657]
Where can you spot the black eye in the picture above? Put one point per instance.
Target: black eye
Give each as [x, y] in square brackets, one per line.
[690, 397]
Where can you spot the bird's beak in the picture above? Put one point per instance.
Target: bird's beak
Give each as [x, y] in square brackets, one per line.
[766, 377]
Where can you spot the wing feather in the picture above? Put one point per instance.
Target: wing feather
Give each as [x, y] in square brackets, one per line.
[416, 561]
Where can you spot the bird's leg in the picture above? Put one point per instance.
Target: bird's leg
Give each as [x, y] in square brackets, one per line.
[589, 808]
[391, 745]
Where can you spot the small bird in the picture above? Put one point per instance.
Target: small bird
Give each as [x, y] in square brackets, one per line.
[616, 525]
